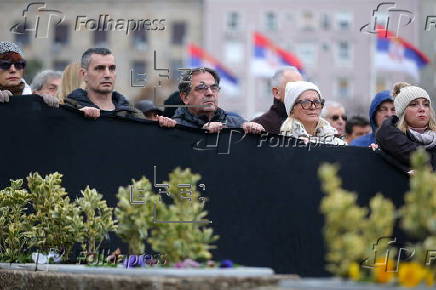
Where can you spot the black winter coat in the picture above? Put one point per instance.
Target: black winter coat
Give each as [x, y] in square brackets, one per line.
[79, 99]
[397, 147]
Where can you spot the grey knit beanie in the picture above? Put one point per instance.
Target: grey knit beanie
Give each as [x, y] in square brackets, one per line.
[406, 95]
[7, 46]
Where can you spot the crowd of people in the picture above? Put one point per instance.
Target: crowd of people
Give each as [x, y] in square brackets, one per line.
[399, 121]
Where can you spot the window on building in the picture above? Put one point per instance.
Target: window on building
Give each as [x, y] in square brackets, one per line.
[62, 34]
[307, 52]
[23, 35]
[325, 22]
[100, 38]
[138, 67]
[233, 21]
[139, 39]
[344, 21]
[175, 65]
[234, 52]
[308, 21]
[343, 88]
[271, 21]
[178, 32]
[343, 52]
[60, 65]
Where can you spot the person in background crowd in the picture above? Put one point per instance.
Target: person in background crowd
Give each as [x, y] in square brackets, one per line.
[199, 90]
[71, 80]
[98, 71]
[150, 111]
[276, 115]
[335, 114]
[382, 107]
[414, 126]
[12, 66]
[46, 82]
[356, 127]
[173, 100]
[304, 103]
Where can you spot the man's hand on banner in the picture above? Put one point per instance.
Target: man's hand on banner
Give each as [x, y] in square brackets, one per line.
[90, 112]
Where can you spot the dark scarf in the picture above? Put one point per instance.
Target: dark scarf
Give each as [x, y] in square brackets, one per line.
[15, 90]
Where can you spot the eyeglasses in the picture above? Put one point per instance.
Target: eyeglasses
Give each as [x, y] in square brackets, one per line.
[307, 104]
[6, 64]
[336, 117]
[203, 88]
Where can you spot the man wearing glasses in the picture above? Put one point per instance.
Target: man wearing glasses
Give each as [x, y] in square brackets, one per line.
[335, 114]
[11, 71]
[199, 91]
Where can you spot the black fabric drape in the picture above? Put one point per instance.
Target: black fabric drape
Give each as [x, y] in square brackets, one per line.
[263, 201]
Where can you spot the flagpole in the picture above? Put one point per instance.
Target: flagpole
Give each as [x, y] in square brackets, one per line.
[373, 71]
[250, 82]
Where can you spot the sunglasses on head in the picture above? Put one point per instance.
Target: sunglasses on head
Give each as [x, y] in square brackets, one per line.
[336, 117]
[6, 64]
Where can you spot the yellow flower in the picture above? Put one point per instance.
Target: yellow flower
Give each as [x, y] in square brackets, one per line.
[384, 273]
[354, 272]
[429, 278]
[411, 274]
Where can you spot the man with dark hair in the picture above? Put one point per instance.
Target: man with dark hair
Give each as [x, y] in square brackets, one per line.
[382, 107]
[356, 127]
[199, 91]
[276, 115]
[98, 71]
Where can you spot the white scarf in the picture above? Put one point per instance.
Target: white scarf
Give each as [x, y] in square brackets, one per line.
[324, 134]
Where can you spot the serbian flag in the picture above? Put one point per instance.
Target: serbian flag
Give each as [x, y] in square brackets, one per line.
[268, 57]
[197, 57]
[396, 54]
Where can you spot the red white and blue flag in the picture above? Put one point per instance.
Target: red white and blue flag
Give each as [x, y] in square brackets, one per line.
[396, 54]
[197, 57]
[268, 57]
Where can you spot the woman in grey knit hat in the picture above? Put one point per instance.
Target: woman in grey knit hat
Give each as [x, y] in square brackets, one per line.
[413, 126]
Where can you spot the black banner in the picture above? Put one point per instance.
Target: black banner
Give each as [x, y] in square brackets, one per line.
[264, 193]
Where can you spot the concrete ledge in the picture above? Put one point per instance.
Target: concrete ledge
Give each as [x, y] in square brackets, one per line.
[38, 280]
[144, 271]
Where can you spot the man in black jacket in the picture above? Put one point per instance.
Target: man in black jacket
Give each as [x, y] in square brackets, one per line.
[276, 115]
[98, 71]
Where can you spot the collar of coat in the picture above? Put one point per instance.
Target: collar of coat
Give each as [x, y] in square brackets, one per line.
[183, 113]
[119, 101]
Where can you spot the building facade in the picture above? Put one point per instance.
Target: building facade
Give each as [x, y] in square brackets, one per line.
[325, 35]
[133, 29]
